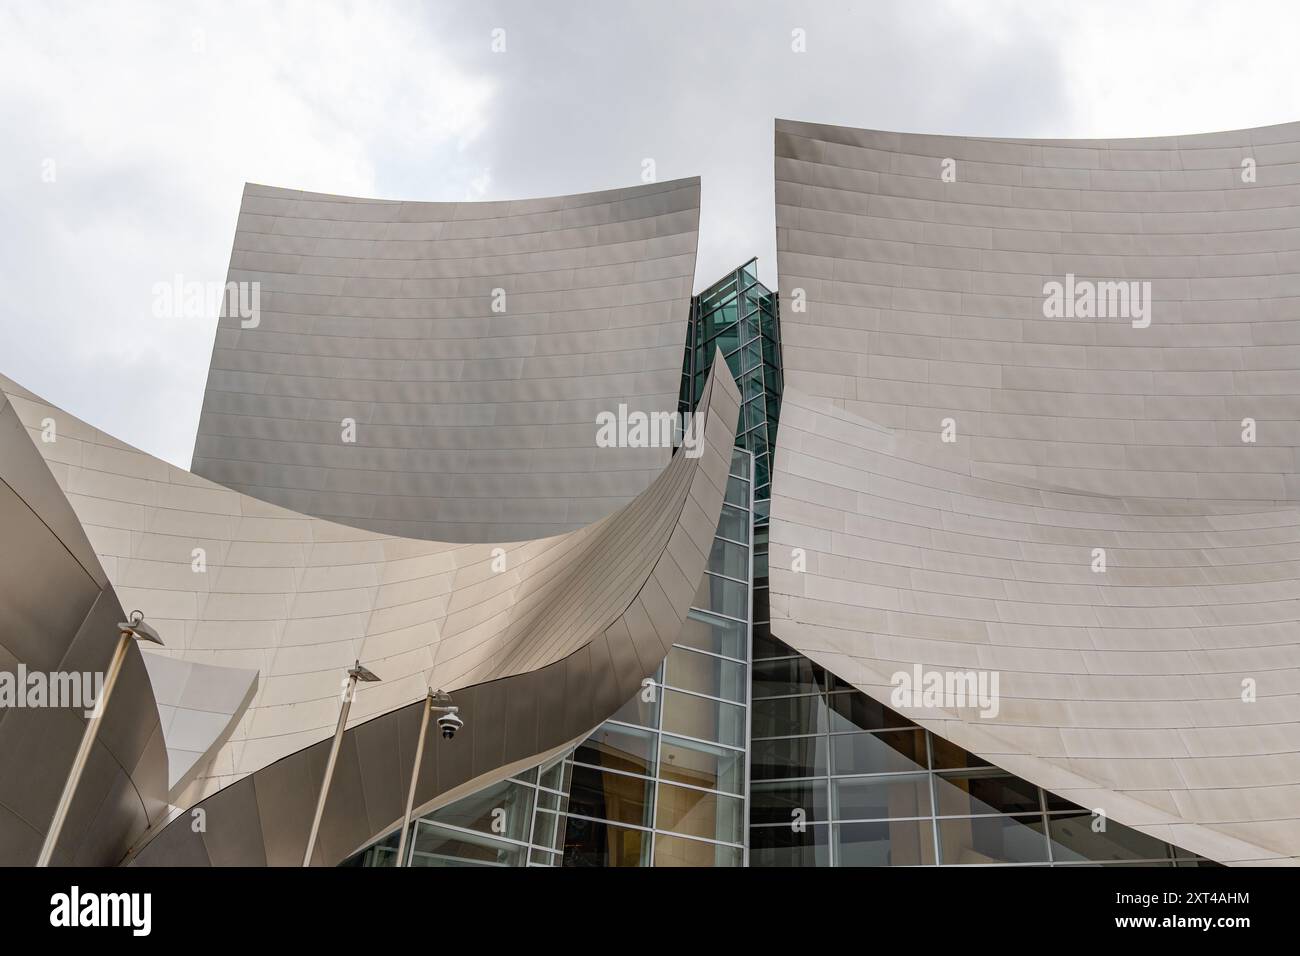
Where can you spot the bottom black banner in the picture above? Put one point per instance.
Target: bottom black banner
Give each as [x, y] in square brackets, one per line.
[236, 907]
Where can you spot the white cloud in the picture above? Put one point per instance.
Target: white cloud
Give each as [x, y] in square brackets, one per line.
[1175, 66]
[153, 140]
[155, 121]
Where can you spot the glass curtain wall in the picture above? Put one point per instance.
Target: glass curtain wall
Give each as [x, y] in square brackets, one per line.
[842, 780]
[501, 825]
[662, 782]
[739, 315]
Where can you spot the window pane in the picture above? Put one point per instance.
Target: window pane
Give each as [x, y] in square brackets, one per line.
[434, 846]
[644, 713]
[720, 317]
[382, 856]
[723, 596]
[701, 765]
[710, 632]
[962, 795]
[696, 813]
[737, 493]
[765, 645]
[610, 796]
[895, 843]
[619, 748]
[1060, 803]
[856, 711]
[794, 757]
[729, 559]
[835, 684]
[547, 828]
[776, 802]
[734, 524]
[884, 752]
[507, 801]
[795, 676]
[1073, 839]
[739, 463]
[674, 851]
[782, 846]
[706, 675]
[948, 756]
[554, 775]
[769, 352]
[992, 840]
[704, 718]
[787, 716]
[588, 843]
[876, 798]
[551, 801]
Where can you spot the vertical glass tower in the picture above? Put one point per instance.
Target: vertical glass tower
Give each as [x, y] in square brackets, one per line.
[739, 315]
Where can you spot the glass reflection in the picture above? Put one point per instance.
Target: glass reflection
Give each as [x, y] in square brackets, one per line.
[593, 843]
[780, 802]
[697, 813]
[705, 674]
[960, 795]
[610, 796]
[619, 748]
[1073, 838]
[438, 846]
[886, 751]
[879, 798]
[704, 718]
[888, 843]
[791, 757]
[785, 846]
[674, 851]
[702, 765]
[999, 839]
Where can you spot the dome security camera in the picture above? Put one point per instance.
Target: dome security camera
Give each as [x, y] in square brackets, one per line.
[449, 723]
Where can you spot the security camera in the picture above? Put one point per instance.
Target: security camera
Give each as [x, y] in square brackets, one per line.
[449, 723]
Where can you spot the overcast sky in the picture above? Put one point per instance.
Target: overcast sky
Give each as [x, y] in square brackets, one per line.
[150, 118]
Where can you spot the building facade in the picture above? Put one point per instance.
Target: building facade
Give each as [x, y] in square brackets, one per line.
[975, 545]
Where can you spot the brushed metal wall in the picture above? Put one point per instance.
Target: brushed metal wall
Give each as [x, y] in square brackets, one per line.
[473, 344]
[1121, 689]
